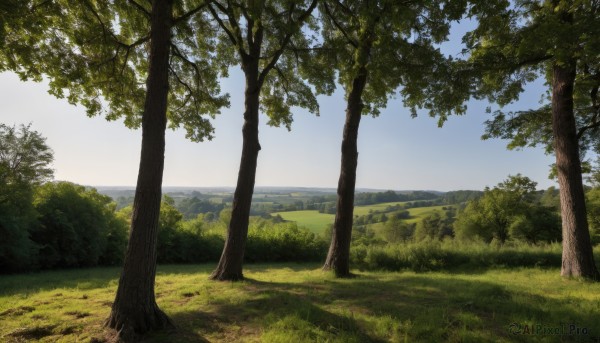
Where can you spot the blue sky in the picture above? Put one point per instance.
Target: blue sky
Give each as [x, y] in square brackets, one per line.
[395, 151]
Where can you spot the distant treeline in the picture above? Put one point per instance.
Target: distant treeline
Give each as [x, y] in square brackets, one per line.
[195, 203]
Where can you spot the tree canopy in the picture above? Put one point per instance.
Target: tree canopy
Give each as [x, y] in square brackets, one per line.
[511, 210]
[95, 53]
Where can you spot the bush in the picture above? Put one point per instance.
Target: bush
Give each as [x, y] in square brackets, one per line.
[75, 224]
[454, 255]
[283, 242]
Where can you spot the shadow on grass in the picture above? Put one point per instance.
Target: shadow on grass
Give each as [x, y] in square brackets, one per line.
[392, 307]
[89, 278]
[373, 307]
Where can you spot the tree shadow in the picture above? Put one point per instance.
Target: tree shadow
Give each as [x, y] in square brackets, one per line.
[420, 308]
[84, 279]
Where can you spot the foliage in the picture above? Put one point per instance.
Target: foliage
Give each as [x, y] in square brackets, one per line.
[24, 156]
[509, 210]
[96, 54]
[77, 227]
[395, 230]
[192, 207]
[369, 198]
[284, 242]
[593, 211]
[395, 45]
[430, 255]
[514, 45]
[24, 163]
[434, 226]
[267, 39]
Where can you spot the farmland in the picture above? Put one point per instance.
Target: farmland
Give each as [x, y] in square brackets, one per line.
[317, 222]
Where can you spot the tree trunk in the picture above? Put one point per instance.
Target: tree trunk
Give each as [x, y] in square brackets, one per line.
[134, 310]
[577, 257]
[232, 257]
[338, 257]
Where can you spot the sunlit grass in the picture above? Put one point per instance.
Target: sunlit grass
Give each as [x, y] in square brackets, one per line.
[300, 303]
[311, 219]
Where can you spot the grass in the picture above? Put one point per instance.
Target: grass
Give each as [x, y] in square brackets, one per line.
[366, 209]
[311, 219]
[417, 214]
[300, 303]
[317, 222]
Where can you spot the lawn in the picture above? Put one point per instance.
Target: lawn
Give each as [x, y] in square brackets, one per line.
[300, 303]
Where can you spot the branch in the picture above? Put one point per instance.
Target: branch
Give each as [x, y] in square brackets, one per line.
[285, 83]
[595, 123]
[189, 89]
[189, 14]
[286, 40]
[339, 27]
[236, 40]
[139, 7]
[533, 60]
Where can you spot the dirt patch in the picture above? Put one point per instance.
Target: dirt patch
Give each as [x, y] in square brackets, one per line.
[17, 311]
[67, 330]
[77, 314]
[37, 332]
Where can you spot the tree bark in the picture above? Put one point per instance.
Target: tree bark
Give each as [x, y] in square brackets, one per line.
[134, 310]
[338, 257]
[577, 256]
[232, 257]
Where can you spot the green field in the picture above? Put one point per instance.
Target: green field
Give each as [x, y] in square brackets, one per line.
[300, 303]
[312, 220]
[317, 222]
[365, 209]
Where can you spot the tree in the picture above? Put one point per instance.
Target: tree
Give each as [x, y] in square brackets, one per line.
[508, 211]
[378, 46]
[25, 160]
[259, 36]
[74, 226]
[395, 231]
[134, 310]
[513, 45]
[434, 226]
[145, 63]
[593, 205]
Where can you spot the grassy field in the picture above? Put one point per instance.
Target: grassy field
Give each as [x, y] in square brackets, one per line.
[365, 209]
[300, 303]
[317, 222]
[312, 220]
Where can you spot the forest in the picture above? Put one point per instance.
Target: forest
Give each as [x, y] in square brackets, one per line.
[509, 262]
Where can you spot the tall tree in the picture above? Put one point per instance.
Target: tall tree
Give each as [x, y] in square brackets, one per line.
[100, 53]
[263, 36]
[513, 45]
[25, 160]
[379, 46]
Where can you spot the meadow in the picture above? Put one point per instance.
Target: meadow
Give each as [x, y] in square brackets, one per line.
[311, 219]
[300, 303]
[317, 222]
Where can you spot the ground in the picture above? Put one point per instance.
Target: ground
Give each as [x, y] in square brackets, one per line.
[299, 302]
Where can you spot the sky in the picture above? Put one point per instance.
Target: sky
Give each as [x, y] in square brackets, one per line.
[395, 151]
